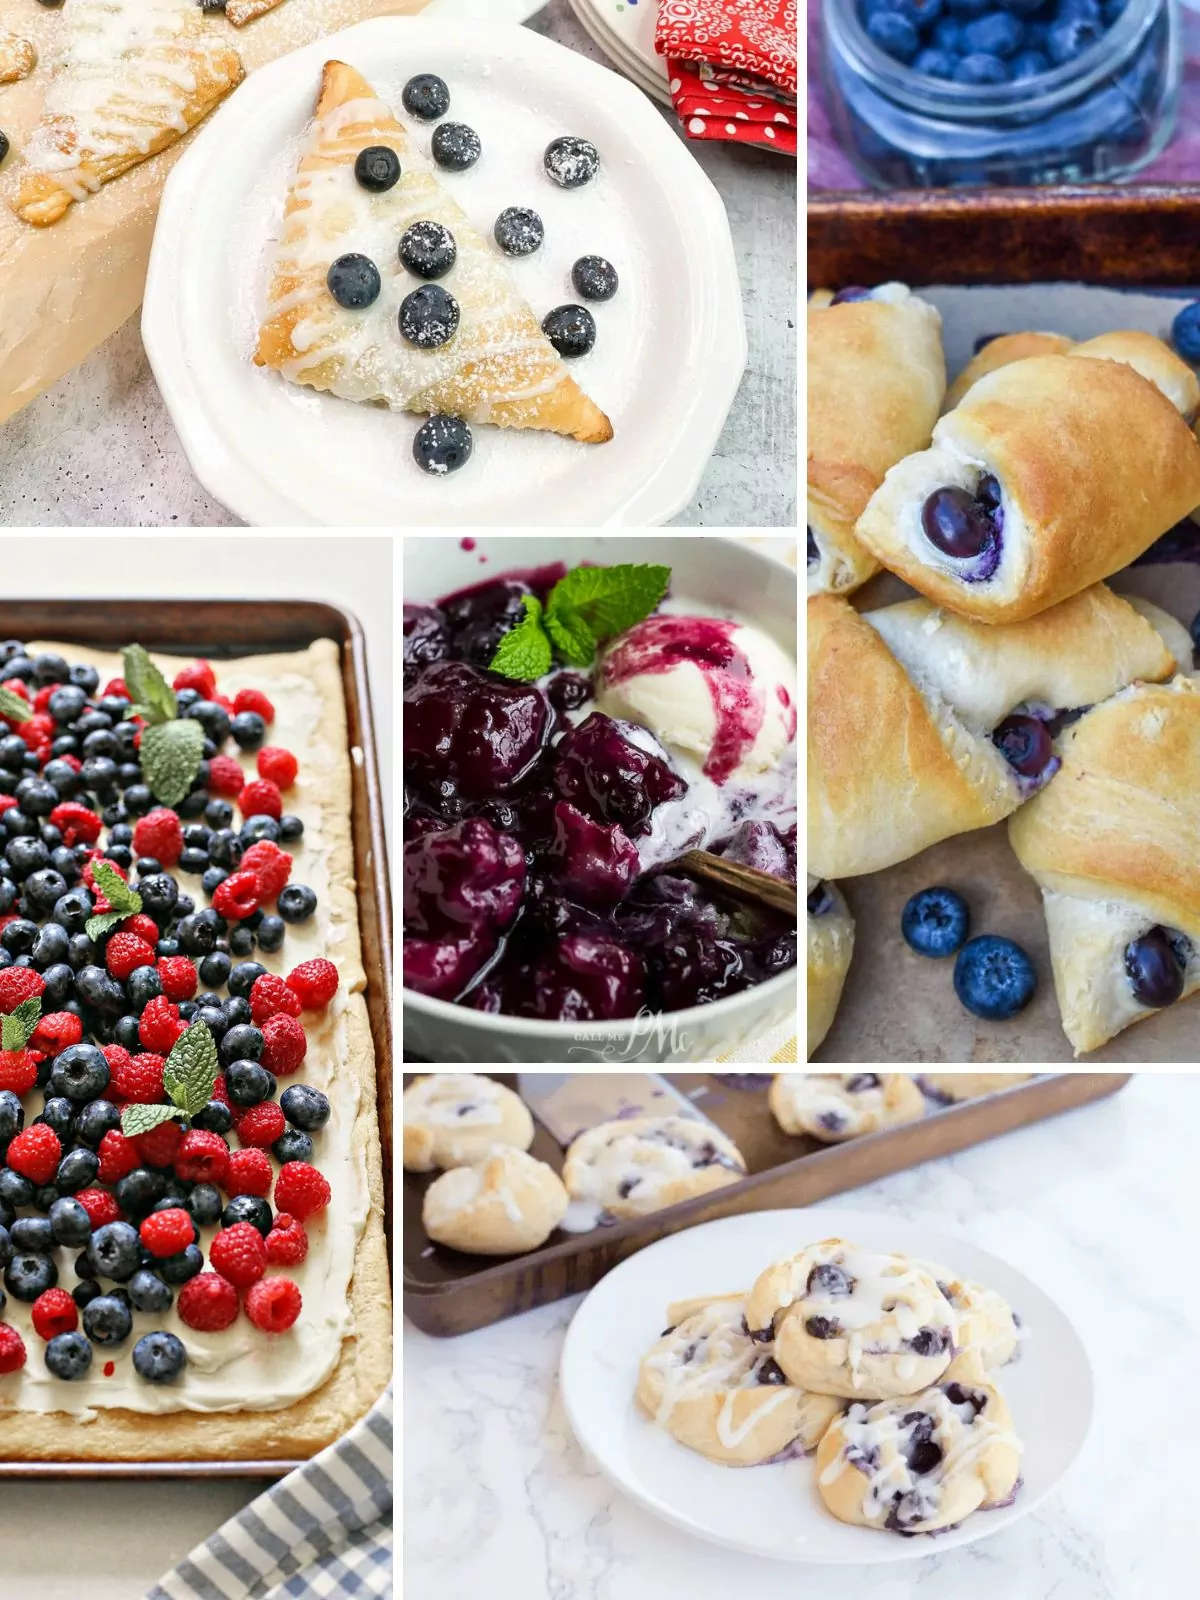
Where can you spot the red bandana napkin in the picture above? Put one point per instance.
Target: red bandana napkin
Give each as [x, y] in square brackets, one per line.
[732, 67]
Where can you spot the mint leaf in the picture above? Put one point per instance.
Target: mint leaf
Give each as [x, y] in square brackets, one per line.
[13, 706]
[191, 1069]
[524, 652]
[144, 1119]
[18, 1027]
[171, 753]
[104, 922]
[153, 695]
[114, 889]
[574, 639]
[607, 599]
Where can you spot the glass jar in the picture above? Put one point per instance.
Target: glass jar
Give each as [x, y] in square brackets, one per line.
[1095, 119]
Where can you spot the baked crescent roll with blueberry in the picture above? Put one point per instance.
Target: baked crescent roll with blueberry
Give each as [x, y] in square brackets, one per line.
[1151, 357]
[1051, 474]
[876, 376]
[1114, 844]
[830, 947]
[1002, 351]
[923, 724]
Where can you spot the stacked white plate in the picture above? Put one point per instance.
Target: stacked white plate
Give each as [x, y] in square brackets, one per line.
[624, 30]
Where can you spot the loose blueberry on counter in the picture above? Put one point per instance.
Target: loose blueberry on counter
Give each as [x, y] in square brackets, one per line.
[935, 921]
[994, 978]
[1155, 965]
[519, 231]
[354, 282]
[442, 445]
[429, 317]
[428, 249]
[594, 278]
[426, 96]
[571, 330]
[455, 147]
[377, 168]
[570, 161]
[1185, 332]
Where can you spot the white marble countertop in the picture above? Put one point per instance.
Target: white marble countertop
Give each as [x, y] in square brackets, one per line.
[99, 449]
[1098, 1206]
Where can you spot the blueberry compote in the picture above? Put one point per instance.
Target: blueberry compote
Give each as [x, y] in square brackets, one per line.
[523, 809]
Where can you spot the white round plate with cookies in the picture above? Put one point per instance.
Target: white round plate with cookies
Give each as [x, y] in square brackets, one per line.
[775, 1509]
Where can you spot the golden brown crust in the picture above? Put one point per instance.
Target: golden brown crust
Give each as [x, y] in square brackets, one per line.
[830, 950]
[1001, 352]
[1153, 358]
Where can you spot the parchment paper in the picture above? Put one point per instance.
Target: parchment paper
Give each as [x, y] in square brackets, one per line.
[67, 287]
[898, 1007]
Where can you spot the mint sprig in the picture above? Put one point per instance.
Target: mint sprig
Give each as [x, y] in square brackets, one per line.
[172, 747]
[13, 706]
[19, 1026]
[585, 607]
[189, 1076]
[125, 902]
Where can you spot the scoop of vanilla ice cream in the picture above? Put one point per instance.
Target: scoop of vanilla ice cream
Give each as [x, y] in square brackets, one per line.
[720, 693]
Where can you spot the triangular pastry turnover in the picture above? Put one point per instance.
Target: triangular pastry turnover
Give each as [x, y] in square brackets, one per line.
[498, 368]
[130, 78]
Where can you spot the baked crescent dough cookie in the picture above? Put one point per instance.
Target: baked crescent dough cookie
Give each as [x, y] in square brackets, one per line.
[633, 1166]
[501, 1206]
[989, 1330]
[970, 1085]
[849, 1322]
[921, 1462]
[832, 1108]
[452, 1119]
[718, 1392]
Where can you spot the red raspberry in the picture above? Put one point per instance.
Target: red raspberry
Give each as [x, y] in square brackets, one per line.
[316, 982]
[287, 1242]
[138, 1078]
[160, 1025]
[38, 733]
[18, 1070]
[271, 997]
[200, 677]
[118, 1156]
[116, 686]
[125, 952]
[237, 896]
[78, 824]
[159, 834]
[158, 1147]
[118, 1059]
[261, 1125]
[166, 1233]
[208, 1303]
[100, 1206]
[202, 1157]
[7, 802]
[54, 1312]
[249, 1173]
[143, 926]
[301, 1190]
[35, 1154]
[178, 977]
[254, 700]
[272, 865]
[225, 777]
[239, 1254]
[278, 765]
[261, 798]
[273, 1305]
[55, 1032]
[18, 984]
[284, 1045]
[41, 700]
[12, 1349]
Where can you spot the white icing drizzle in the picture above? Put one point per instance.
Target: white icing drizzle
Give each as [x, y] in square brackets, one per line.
[646, 1153]
[454, 1100]
[813, 1096]
[722, 1359]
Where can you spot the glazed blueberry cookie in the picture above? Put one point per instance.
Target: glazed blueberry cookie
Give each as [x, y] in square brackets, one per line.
[501, 1206]
[920, 1463]
[954, 1086]
[848, 1322]
[718, 1392]
[641, 1164]
[832, 1108]
[989, 1330]
[452, 1119]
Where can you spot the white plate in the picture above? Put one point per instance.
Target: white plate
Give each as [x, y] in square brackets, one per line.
[652, 79]
[671, 347]
[775, 1510]
[632, 25]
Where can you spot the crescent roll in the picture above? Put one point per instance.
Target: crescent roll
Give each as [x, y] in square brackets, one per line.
[1114, 844]
[1154, 359]
[1002, 351]
[922, 724]
[1051, 474]
[830, 947]
[876, 376]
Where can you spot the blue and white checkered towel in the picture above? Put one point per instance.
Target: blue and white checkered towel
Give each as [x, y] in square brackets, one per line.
[322, 1533]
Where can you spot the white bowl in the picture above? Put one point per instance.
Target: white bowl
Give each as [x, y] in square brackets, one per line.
[715, 570]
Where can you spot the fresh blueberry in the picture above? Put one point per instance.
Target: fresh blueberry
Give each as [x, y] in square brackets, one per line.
[248, 1083]
[377, 168]
[12, 1119]
[80, 1072]
[440, 446]
[77, 1170]
[70, 1223]
[292, 1145]
[114, 1250]
[304, 1107]
[32, 1235]
[594, 278]
[184, 1265]
[1070, 37]
[1026, 745]
[981, 69]
[519, 231]
[948, 36]
[1185, 332]
[997, 33]
[429, 317]
[966, 9]
[29, 1274]
[69, 1356]
[354, 282]
[297, 902]
[159, 1357]
[204, 1203]
[1029, 64]
[455, 147]
[570, 329]
[426, 97]
[107, 1320]
[248, 730]
[244, 1042]
[994, 978]
[895, 35]
[1152, 965]
[571, 162]
[428, 249]
[934, 922]
[248, 1208]
[958, 523]
[936, 64]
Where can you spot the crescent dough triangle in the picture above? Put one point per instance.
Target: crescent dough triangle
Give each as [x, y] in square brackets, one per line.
[499, 367]
[131, 77]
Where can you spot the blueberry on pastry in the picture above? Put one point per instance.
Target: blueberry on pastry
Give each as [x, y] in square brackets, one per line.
[629, 1167]
[830, 948]
[452, 1119]
[503, 1205]
[831, 1108]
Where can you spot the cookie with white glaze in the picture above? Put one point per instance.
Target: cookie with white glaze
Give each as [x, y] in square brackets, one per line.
[636, 1165]
[723, 1395]
[922, 1462]
[970, 1085]
[989, 1330]
[452, 1119]
[831, 1108]
[500, 1206]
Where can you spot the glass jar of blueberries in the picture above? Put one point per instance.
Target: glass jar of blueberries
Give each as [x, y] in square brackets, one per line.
[947, 93]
